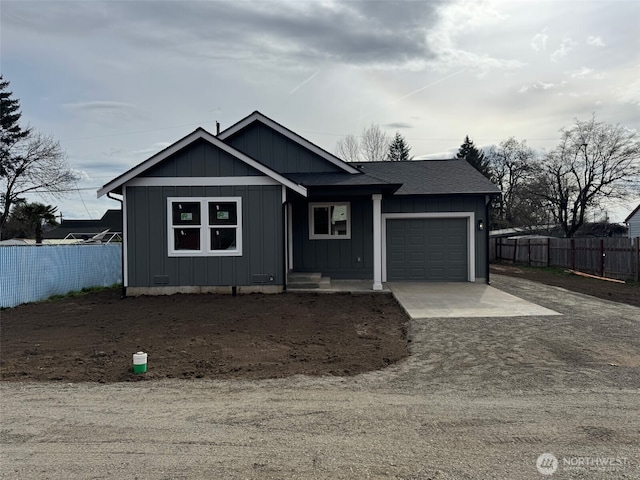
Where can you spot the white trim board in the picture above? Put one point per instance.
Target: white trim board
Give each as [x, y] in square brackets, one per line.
[125, 240]
[200, 133]
[377, 241]
[201, 181]
[471, 236]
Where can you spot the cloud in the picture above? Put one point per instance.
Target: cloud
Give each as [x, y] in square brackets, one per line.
[458, 22]
[356, 32]
[565, 47]
[541, 86]
[398, 125]
[539, 42]
[595, 41]
[98, 105]
[104, 112]
[583, 72]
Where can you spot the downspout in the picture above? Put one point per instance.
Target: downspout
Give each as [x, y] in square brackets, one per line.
[123, 294]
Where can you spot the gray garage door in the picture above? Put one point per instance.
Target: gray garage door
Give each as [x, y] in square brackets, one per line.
[433, 249]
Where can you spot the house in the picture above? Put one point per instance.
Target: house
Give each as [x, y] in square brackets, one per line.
[633, 221]
[85, 229]
[241, 210]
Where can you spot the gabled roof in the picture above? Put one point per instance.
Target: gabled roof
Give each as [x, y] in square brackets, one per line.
[635, 210]
[199, 133]
[111, 220]
[431, 177]
[259, 117]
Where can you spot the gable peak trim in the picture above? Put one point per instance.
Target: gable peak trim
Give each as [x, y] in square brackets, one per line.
[197, 134]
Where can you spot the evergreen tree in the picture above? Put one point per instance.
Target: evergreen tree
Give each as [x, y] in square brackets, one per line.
[475, 157]
[398, 149]
[10, 129]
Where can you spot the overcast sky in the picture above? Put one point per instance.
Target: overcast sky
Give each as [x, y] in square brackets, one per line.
[116, 81]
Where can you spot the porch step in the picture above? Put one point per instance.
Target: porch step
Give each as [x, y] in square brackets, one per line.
[303, 280]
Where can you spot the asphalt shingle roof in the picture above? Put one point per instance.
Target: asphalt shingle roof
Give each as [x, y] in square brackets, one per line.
[335, 179]
[431, 177]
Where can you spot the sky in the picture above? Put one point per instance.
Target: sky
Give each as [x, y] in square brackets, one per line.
[116, 81]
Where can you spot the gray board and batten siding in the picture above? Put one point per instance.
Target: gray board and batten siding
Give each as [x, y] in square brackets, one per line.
[262, 238]
[201, 159]
[278, 152]
[148, 260]
[353, 258]
[337, 258]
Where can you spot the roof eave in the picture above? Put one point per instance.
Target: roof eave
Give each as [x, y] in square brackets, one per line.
[635, 210]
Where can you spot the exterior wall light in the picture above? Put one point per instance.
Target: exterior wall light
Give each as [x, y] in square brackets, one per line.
[480, 225]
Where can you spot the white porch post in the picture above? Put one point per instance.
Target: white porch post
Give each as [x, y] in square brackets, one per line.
[377, 241]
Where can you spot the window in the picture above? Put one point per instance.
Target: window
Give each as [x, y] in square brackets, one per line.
[204, 226]
[329, 221]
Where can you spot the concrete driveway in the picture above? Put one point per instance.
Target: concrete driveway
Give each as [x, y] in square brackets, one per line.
[461, 300]
[479, 398]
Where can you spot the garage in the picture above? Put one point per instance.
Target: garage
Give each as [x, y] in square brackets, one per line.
[427, 249]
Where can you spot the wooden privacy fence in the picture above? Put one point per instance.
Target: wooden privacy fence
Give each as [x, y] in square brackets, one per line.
[608, 257]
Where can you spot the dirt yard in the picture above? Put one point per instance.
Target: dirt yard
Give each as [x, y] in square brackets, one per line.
[92, 337]
[628, 293]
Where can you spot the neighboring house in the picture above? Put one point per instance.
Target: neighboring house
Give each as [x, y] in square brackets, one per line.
[633, 221]
[85, 229]
[240, 210]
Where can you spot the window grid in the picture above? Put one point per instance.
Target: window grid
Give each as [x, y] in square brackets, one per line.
[204, 226]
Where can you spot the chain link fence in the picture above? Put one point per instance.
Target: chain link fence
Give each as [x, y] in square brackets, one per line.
[30, 274]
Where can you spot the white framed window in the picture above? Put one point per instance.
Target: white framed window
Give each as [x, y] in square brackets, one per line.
[330, 221]
[204, 226]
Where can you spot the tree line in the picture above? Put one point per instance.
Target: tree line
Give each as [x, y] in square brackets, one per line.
[373, 146]
[593, 162]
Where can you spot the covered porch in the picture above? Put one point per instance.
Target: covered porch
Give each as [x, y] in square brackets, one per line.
[334, 235]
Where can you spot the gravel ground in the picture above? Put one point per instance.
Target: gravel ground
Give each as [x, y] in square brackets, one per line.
[477, 399]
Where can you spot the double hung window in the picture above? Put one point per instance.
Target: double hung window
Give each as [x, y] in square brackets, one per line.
[209, 226]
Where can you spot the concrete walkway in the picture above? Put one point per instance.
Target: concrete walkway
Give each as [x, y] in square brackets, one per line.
[461, 299]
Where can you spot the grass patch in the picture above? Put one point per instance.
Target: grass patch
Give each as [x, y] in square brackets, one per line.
[80, 293]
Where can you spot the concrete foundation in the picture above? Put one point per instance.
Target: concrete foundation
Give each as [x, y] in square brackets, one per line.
[225, 290]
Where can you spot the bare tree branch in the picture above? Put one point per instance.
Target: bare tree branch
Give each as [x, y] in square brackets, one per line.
[594, 161]
[348, 149]
[374, 144]
[37, 163]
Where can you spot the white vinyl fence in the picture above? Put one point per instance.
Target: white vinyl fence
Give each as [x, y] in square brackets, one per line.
[29, 274]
